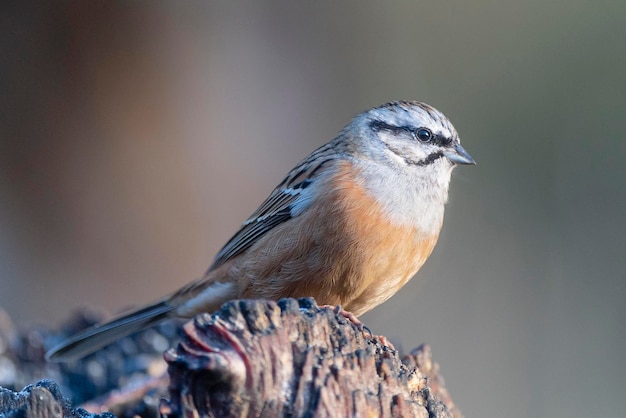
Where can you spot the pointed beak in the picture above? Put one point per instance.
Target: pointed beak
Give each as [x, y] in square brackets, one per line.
[458, 155]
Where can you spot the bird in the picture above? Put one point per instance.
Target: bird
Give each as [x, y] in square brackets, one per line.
[349, 225]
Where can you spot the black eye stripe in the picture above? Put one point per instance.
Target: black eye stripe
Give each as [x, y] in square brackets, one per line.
[378, 125]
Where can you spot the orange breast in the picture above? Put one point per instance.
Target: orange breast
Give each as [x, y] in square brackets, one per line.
[341, 250]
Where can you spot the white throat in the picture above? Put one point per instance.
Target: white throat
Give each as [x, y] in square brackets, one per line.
[410, 195]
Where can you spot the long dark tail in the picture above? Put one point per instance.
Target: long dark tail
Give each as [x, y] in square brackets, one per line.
[98, 336]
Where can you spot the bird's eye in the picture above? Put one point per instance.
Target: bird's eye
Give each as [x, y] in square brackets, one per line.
[424, 134]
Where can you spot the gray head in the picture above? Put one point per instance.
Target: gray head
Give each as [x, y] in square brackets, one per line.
[414, 132]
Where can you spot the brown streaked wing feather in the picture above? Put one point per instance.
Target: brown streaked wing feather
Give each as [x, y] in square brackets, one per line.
[276, 209]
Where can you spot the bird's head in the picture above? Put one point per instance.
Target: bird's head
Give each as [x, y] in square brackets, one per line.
[412, 133]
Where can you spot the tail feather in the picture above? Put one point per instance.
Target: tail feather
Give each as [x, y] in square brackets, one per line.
[99, 336]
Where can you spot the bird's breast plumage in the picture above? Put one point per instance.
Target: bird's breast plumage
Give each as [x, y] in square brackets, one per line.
[343, 249]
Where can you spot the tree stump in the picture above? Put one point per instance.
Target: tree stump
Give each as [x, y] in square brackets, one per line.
[294, 359]
[252, 358]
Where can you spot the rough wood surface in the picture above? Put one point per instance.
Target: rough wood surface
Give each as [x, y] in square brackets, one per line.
[250, 359]
[41, 400]
[295, 359]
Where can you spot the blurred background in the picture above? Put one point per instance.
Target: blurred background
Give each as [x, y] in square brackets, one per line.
[136, 137]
